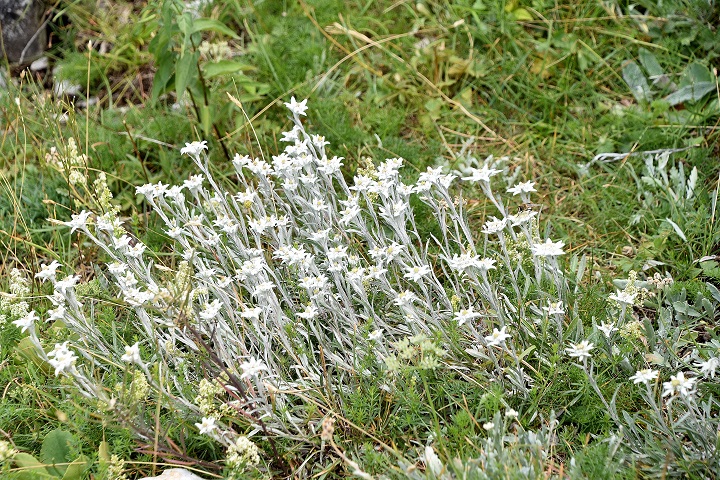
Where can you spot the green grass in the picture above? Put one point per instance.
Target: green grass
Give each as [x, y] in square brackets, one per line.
[538, 81]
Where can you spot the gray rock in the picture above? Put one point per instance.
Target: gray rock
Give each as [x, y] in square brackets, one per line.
[175, 474]
[23, 29]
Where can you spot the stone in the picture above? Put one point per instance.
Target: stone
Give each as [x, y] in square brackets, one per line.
[175, 474]
[23, 29]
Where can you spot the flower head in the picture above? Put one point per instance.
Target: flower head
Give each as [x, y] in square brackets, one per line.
[581, 350]
[26, 322]
[548, 249]
[61, 358]
[494, 226]
[194, 149]
[607, 328]
[297, 108]
[206, 426]
[678, 384]
[416, 273]
[708, 367]
[481, 174]
[497, 337]
[47, 272]
[463, 316]
[251, 368]
[376, 335]
[132, 354]
[309, 313]
[555, 308]
[523, 187]
[78, 221]
[644, 376]
[623, 298]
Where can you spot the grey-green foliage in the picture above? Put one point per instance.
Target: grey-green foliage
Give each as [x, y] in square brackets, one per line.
[651, 81]
[676, 436]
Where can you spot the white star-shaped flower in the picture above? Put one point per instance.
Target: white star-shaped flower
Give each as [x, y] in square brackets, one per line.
[644, 376]
[132, 354]
[47, 272]
[206, 426]
[297, 108]
[581, 350]
[497, 337]
[548, 249]
[194, 149]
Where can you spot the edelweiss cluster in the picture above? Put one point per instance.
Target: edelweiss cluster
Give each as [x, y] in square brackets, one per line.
[298, 271]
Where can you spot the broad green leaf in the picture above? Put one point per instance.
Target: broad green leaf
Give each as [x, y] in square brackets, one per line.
[163, 75]
[206, 120]
[690, 93]
[76, 469]
[186, 68]
[185, 23]
[209, 24]
[637, 82]
[713, 291]
[650, 63]
[31, 468]
[521, 14]
[56, 450]
[696, 82]
[26, 350]
[696, 73]
[225, 67]
[104, 451]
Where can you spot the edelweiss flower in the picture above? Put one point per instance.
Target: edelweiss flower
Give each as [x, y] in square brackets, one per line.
[494, 226]
[297, 108]
[61, 358]
[416, 273]
[211, 310]
[485, 264]
[376, 335]
[194, 149]
[623, 298]
[463, 262]
[522, 217]
[251, 313]
[464, 315]
[644, 376]
[520, 188]
[251, 368]
[581, 351]
[78, 221]
[548, 249]
[607, 328]
[497, 337]
[555, 308]
[708, 367]
[194, 183]
[405, 299]
[26, 322]
[481, 175]
[47, 272]
[678, 384]
[309, 313]
[66, 283]
[132, 354]
[206, 426]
